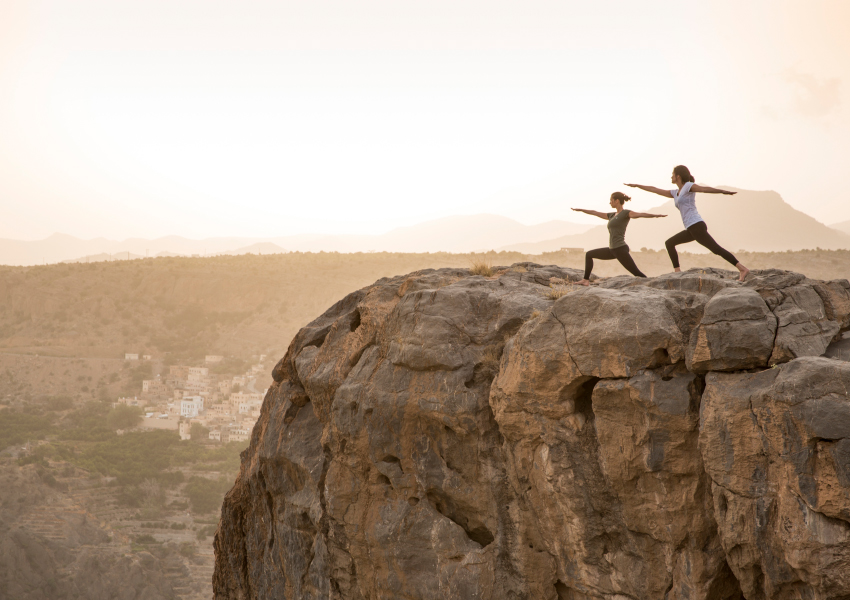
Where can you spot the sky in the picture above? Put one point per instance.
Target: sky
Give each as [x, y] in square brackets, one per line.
[221, 118]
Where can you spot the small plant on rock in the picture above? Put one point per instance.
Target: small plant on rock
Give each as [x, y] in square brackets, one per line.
[481, 267]
[557, 292]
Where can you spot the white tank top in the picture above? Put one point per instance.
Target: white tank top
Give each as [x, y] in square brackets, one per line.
[686, 201]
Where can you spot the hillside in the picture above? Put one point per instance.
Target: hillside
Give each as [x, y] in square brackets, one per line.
[86, 513]
[245, 305]
[189, 307]
[755, 221]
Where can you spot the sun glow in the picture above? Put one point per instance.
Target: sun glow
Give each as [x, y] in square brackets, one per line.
[276, 118]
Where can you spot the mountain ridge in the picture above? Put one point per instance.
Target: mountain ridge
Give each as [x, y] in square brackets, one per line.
[759, 221]
[459, 233]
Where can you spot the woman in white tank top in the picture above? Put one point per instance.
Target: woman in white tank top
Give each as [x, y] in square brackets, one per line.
[684, 197]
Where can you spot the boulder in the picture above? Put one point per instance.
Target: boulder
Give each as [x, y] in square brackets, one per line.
[776, 445]
[803, 327]
[449, 435]
[737, 331]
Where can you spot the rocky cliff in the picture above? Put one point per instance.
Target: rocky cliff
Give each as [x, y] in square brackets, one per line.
[444, 435]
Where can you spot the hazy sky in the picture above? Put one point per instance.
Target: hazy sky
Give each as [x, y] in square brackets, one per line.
[211, 118]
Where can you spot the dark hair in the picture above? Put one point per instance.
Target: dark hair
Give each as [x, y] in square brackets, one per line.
[683, 172]
[621, 197]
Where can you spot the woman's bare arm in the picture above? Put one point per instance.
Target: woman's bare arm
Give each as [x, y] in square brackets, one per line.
[595, 213]
[710, 190]
[637, 215]
[649, 188]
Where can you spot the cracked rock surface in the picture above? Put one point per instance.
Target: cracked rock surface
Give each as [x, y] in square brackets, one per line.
[448, 435]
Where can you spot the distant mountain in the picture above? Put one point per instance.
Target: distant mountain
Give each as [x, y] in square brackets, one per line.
[843, 227]
[759, 221]
[258, 248]
[104, 256]
[749, 220]
[470, 233]
[449, 234]
[60, 247]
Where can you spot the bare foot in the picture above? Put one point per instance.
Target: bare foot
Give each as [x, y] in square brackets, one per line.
[582, 282]
[744, 272]
[677, 270]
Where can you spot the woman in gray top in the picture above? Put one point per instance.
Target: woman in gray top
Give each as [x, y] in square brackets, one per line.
[617, 247]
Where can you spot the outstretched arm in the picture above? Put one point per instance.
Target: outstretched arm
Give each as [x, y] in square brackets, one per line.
[595, 213]
[649, 188]
[710, 190]
[637, 215]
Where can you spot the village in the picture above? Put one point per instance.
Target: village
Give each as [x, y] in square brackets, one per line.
[200, 404]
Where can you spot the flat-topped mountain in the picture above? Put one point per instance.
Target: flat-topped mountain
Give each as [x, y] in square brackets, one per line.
[450, 435]
[749, 220]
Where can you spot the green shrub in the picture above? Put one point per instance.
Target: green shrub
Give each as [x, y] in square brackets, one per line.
[19, 427]
[136, 456]
[199, 432]
[57, 403]
[205, 494]
[145, 538]
[124, 417]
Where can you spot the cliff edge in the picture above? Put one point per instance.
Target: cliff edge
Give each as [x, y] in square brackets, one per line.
[446, 435]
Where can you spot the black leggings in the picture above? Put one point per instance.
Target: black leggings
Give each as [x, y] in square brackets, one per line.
[698, 232]
[621, 254]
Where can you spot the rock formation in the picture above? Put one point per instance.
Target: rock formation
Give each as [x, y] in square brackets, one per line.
[446, 435]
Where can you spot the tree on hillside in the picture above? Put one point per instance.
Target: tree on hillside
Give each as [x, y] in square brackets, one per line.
[205, 494]
[152, 493]
[124, 417]
[199, 432]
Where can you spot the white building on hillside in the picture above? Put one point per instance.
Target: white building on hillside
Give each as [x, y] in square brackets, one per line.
[246, 403]
[129, 356]
[154, 386]
[191, 406]
[239, 434]
[238, 397]
[213, 358]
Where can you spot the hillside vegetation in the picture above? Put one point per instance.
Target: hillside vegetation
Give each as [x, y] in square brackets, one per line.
[244, 305]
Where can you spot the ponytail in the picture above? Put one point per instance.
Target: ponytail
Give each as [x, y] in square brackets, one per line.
[683, 172]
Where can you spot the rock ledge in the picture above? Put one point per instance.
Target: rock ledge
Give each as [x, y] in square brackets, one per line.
[444, 435]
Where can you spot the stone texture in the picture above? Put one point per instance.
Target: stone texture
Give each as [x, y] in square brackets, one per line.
[776, 445]
[737, 331]
[803, 326]
[443, 435]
